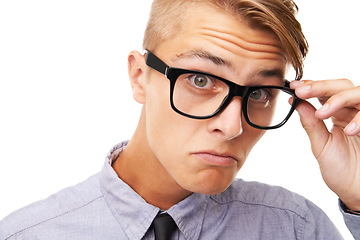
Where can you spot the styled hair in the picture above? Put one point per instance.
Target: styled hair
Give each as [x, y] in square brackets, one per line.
[275, 16]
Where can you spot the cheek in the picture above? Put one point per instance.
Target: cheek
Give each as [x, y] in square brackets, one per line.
[169, 135]
[165, 128]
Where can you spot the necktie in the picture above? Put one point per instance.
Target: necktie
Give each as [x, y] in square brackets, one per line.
[164, 226]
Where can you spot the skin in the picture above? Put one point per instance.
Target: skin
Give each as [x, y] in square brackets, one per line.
[171, 156]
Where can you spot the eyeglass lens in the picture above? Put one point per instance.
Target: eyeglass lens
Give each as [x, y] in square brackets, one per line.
[268, 107]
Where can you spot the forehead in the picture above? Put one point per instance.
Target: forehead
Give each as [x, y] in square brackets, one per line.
[209, 19]
[227, 37]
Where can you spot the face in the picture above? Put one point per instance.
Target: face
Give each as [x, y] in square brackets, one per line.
[205, 156]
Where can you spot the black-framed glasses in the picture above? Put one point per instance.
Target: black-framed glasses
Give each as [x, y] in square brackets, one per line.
[201, 95]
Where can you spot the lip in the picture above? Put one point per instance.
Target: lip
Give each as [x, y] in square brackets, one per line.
[217, 159]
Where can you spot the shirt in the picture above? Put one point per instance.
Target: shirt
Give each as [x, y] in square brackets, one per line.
[104, 207]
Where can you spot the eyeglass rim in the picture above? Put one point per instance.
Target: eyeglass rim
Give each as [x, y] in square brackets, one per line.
[234, 90]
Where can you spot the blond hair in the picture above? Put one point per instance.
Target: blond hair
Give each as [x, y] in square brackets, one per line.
[276, 16]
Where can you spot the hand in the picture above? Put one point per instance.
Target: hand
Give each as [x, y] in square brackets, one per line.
[337, 151]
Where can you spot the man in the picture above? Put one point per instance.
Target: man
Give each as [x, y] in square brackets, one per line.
[195, 132]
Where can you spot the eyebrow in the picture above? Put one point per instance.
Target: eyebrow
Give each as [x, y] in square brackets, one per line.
[276, 72]
[202, 54]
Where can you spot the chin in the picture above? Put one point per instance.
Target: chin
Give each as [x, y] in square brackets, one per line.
[208, 181]
[210, 186]
[212, 190]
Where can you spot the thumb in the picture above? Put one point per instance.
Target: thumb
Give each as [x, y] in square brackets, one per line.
[314, 127]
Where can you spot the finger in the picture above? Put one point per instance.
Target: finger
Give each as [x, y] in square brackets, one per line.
[353, 128]
[314, 127]
[296, 83]
[344, 117]
[306, 89]
[349, 98]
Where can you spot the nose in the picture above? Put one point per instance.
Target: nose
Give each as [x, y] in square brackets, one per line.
[228, 123]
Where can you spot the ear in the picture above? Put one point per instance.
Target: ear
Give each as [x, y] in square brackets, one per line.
[136, 68]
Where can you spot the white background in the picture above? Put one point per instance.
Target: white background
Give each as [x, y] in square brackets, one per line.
[65, 98]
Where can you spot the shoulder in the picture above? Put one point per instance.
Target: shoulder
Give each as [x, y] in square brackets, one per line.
[65, 202]
[259, 194]
[272, 209]
[267, 198]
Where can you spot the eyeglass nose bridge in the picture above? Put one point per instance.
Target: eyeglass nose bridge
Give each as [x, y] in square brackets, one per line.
[234, 91]
[239, 91]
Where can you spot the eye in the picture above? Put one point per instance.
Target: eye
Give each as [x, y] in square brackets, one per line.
[201, 81]
[260, 95]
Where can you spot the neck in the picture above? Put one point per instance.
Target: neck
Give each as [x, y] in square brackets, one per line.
[142, 171]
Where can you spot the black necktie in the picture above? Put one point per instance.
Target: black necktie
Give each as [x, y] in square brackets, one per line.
[164, 226]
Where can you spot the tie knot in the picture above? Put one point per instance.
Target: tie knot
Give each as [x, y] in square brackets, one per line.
[164, 226]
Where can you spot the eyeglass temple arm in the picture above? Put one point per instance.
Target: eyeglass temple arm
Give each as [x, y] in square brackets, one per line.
[286, 83]
[155, 63]
[296, 98]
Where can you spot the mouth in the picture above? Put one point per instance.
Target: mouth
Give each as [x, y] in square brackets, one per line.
[217, 159]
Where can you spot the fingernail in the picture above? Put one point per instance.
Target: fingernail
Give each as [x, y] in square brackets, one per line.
[324, 108]
[351, 127]
[301, 82]
[297, 83]
[306, 88]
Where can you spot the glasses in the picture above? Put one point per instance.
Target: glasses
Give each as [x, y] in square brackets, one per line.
[201, 95]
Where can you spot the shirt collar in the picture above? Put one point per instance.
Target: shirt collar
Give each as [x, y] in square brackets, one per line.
[130, 210]
[135, 215]
[189, 215]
